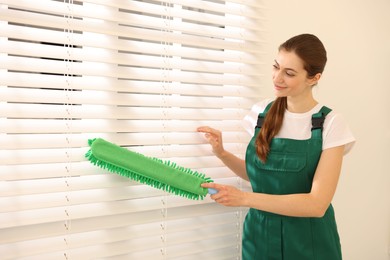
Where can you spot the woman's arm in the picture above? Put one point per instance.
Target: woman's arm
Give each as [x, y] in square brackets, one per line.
[313, 204]
[214, 137]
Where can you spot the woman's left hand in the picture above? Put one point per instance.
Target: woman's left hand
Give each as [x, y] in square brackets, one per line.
[227, 195]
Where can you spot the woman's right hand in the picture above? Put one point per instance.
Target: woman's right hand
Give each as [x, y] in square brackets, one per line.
[236, 164]
[214, 137]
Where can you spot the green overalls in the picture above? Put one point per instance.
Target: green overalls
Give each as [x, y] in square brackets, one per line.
[289, 168]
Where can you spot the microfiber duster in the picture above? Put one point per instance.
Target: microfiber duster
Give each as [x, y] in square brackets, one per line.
[164, 175]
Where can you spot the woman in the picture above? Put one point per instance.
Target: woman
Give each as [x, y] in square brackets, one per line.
[293, 163]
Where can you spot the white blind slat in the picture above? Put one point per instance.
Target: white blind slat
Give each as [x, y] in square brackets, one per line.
[125, 44]
[98, 55]
[95, 69]
[120, 228]
[34, 217]
[55, 96]
[110, 236]
[151, 14]
[84, 111]
[110, 84]
[63, 155]
[58, 196]
[60, 184]
[35, 126]
[15, 233]
[38, 141]
[56, 22]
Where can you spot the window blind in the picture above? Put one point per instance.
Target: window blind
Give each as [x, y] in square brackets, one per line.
[144, 75]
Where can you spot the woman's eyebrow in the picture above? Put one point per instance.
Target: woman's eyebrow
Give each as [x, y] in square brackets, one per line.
[285, 68]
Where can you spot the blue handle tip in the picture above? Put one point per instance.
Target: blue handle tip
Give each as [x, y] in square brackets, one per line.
[212, 191]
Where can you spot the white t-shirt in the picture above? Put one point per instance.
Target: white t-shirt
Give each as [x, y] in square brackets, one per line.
[298, 126]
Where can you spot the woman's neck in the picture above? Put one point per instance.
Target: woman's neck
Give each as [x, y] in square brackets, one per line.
[300, 106]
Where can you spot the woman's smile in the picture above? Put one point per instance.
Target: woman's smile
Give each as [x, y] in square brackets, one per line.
[279, 88]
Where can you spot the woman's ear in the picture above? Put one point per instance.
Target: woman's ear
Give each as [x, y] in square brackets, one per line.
[314, 80]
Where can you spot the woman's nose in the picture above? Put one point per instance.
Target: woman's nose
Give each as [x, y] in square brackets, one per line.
[277, 77]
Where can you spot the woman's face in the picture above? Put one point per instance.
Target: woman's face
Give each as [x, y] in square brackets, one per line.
[289, 76]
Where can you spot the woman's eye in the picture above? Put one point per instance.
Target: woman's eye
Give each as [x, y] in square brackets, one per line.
[288, 73]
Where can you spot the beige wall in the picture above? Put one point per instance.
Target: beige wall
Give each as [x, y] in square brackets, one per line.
[356, 83]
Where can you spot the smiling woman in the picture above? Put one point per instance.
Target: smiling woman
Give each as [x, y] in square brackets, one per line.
[293, 163]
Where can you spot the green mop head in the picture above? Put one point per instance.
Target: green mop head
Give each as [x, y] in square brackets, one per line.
[164, 175]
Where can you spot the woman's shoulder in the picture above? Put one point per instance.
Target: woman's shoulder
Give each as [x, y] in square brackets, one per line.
[336, 131]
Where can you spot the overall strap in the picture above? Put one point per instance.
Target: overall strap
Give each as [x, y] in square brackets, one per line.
[260, 118]
[317, 122]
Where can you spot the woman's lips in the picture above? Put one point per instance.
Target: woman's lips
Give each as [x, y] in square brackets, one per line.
[278, 87]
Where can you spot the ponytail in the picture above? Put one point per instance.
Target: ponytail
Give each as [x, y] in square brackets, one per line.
[271, 126]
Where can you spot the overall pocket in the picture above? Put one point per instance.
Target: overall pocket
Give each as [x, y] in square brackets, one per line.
[283, 162]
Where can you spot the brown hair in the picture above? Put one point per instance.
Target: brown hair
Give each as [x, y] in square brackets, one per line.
[313, 54]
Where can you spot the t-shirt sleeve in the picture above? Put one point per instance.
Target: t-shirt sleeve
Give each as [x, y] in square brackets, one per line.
[337, 132]
[250, 120]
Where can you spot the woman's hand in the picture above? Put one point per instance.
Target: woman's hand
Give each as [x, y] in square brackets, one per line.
[234, 163]
[214, 137]
[227, 195]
